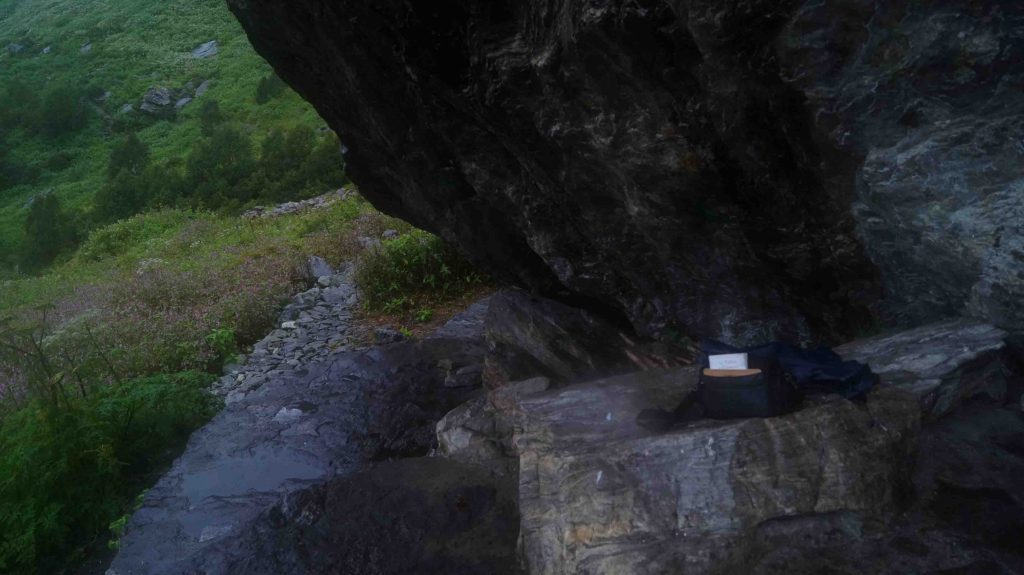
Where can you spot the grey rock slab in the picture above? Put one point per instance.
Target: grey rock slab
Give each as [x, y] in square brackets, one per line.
[318, 267]
[529, 335]
[480, 431]
[157, 100]
[942, 363]
[203, 87]
[206, 50]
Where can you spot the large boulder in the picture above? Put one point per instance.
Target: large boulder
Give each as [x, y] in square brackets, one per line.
[598, 494]
[741, 169]
[920, 477]
[480, 431]
[158, 101]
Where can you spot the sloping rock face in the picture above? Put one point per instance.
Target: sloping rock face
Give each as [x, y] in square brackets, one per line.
[740, 169]
[529, 336]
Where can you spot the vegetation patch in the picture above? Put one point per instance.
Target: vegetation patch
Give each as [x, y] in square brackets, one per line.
[73, 127]
[71, 465]
[411, 274]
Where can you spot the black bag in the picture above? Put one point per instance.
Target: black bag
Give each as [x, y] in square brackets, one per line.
[766, 390]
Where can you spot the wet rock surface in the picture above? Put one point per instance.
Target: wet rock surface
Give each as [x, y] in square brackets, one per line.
[308, 406]
[734, 169]
[421, 515]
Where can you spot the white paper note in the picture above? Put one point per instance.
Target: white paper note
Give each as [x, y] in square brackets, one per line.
[728, 361]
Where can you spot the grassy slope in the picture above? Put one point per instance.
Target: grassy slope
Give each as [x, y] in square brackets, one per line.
[135, 44]
[182, 241]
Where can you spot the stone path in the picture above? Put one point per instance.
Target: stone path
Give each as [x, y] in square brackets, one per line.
[309, 404]
[317, 323]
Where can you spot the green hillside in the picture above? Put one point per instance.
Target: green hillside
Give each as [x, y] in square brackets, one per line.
[69, 69]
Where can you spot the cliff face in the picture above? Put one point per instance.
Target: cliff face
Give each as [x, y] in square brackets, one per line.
[738, 169]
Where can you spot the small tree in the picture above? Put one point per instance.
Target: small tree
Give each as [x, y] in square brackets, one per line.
[130, 155]
[19, 100]
[269, 88]
[217, 166]
[121, 197]
[62, 112]
[210, 117]
[48, 231]
[283, 153]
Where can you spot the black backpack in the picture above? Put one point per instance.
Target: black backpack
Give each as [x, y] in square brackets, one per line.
[765, 390]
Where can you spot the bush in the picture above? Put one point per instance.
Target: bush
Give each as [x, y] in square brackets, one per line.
[116, 239]
[19, 103]
[409, 271]
[296, 164]
[68, 472]
[121, 197]
[210, 117]
[269, 88]
[48, 231]
[62, 111]
[130, 155]
[217, 166]
[13, 172]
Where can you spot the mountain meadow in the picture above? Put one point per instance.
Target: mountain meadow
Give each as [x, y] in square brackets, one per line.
[134, 135]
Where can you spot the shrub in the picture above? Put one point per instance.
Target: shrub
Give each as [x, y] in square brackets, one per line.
[413, 269]
[59, 160]
[19, 103]
[62, 111]
[222, 341]
[115, 239]
[296, 164]
[121, 197]
[284, 152]
[68, 472]
[48, 231]
[218, 165]
[13, 172]
[270, 87]
[130, 155]
[210, 117]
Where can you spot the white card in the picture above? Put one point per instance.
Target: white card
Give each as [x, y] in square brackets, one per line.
[728, 361]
